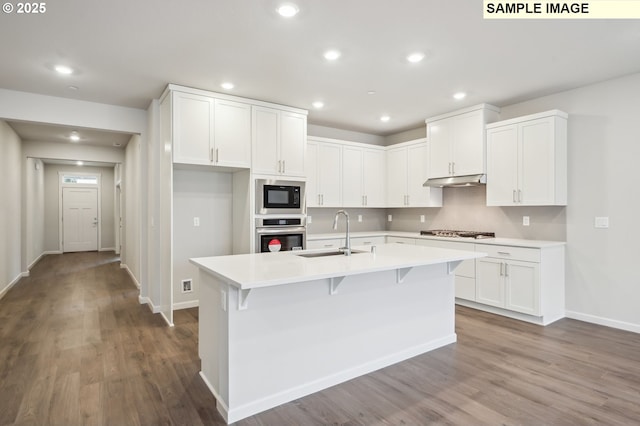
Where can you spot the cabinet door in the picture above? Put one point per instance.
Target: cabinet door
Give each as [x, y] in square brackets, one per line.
[536, 162]
[352, 172]
[396, 177]
[439, 142]
[490, 282]
[293, 137]
[232, 134]
[468, 147]
[522, 287]
[265, 141]
[192, 128]
[374, 178]
[329, 175]
[418, 195]
[502, 165]
[311, 170]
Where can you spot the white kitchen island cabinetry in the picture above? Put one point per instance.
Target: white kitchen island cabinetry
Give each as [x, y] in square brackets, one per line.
[210, 131]
[465, 273]
[406, 172]
[527, 160]
[522, 280]
[278, 142]
[278, 326]
[457, 141]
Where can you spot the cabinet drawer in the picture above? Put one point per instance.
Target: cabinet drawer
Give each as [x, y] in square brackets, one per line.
[367, 241]
[510, 253]
[401, 240]
[320, 244]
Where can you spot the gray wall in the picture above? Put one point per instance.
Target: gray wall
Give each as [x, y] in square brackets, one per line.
[465, 208]
[322, 220]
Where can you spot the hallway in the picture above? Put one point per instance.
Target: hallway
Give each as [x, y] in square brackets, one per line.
[78, 348]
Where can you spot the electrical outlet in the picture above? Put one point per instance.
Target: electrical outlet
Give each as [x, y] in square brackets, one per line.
[223, 300]
[196, 222]
[525, 220]
[309, 220]
[601, 222]
[389, 218]
[421, 218]
[359, 218]
[187, 285]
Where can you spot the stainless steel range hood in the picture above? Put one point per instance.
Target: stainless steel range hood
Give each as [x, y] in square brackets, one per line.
[456, 181]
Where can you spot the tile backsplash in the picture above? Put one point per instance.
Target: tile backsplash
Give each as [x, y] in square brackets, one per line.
[463, 208]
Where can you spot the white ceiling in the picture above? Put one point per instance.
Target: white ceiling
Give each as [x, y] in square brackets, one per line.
[125, 52]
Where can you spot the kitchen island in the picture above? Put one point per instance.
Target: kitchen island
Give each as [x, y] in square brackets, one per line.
[274, 327]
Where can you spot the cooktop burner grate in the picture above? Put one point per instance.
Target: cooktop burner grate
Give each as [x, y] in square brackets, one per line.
[458, 234]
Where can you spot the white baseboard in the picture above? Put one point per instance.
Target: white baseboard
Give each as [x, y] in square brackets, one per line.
[11, 284]
[607, 322]
[186, 305]
[52, 252]
[32, 264]
[135, 280]
[107, 249]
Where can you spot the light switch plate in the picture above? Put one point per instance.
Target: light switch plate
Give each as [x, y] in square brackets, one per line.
[309, 220]
[601, 222]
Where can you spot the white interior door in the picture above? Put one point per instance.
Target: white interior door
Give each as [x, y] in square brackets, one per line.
[79, 219]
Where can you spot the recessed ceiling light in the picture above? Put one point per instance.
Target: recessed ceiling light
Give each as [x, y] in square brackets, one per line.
[385, 118]
[331, 55]
[63, 69]
[117, 144]
[318, 104]
[75, 137]
[288, 10]
[227, 86]
[415, 57]
[371, 92]
[458, 96]
[79, 163]
[74, 88]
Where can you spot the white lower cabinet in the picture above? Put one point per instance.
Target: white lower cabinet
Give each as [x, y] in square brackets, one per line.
[524, 280]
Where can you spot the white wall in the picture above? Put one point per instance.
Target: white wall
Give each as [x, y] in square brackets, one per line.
[52, 204]
[10, 207]
[603, 150]
[207, 195]
[33, 216]
[130, 255]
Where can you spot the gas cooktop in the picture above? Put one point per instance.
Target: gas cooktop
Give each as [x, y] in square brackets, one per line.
[458, 234]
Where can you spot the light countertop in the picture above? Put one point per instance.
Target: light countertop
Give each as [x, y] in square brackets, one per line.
[514, 242]
[248, 271]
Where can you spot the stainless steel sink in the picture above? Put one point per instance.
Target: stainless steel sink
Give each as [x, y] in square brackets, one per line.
[328, 253]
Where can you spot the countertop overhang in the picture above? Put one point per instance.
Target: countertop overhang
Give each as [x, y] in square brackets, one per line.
[249, 271]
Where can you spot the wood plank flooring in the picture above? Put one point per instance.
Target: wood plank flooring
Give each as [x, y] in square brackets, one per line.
[76, 348]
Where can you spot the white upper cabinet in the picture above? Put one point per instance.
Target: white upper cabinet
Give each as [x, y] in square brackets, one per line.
[527, 160]
[279, 142]
[209, 131]
[457, 141]
[406, 172]
[324, 174]
[363, 177]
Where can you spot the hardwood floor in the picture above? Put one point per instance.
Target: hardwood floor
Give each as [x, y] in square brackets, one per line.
[77, 348]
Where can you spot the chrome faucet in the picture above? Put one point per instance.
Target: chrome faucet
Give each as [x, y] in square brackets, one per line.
[347, 248]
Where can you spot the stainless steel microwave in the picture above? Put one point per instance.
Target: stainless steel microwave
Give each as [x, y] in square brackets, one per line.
[280, 197]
